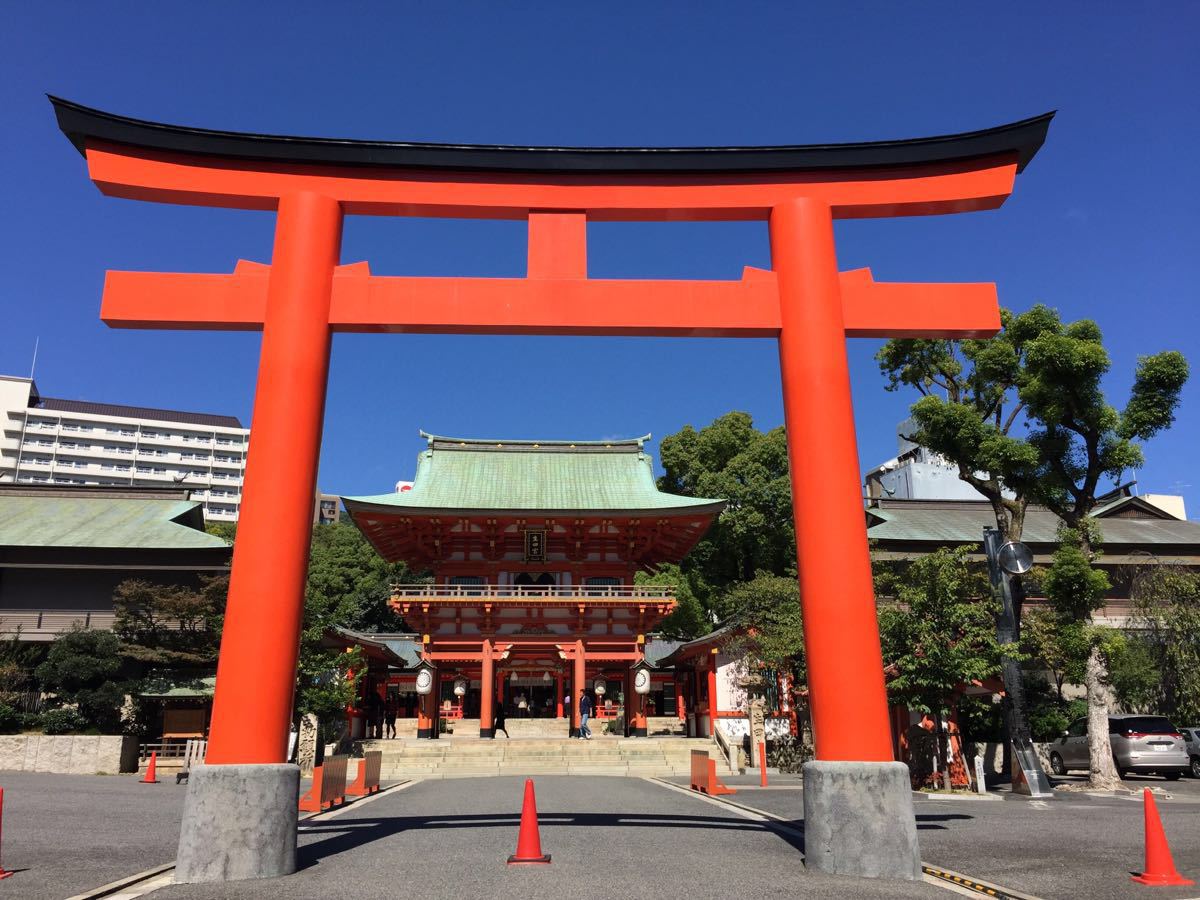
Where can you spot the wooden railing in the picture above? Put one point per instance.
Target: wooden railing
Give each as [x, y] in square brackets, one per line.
[519, 591]
[34, 623]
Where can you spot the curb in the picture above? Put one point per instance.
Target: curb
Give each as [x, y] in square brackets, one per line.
[974, 885]
[120, 884]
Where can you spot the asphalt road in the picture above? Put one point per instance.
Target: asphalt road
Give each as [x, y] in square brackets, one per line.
[65, 834]
[1071, 847]
[608, 837]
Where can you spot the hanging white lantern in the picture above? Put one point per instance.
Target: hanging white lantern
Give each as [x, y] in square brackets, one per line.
[425, 678]
[460, 687]
[641, 678]
[599, 687]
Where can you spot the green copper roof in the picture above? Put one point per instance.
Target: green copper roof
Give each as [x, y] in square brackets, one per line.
[467, 474]
[164, 688]
[962, 522]
[103, 522]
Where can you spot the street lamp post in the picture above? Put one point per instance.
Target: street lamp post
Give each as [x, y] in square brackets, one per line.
[1004, 561]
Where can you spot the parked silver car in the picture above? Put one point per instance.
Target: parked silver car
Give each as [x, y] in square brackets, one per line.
[1140, 744]
[1191, 737]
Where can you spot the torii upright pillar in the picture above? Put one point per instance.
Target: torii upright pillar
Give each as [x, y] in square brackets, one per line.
[240, 813]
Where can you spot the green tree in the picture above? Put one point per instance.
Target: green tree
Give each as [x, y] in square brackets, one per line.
[940, 634]
[170, 625]
[82, 670]
[1061, 646]
[768, 632]
[689, 619]
[348, 587]
[766, 612]
[1166, 616]
[349, 581]
[1071, 440]
[732, 460]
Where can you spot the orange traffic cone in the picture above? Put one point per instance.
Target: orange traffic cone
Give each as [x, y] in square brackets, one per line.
[4, 873]
[529, 845]
[1160, 867]
[151, 770]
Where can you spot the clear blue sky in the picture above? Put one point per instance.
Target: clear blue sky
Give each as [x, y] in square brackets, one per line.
[1102, 224]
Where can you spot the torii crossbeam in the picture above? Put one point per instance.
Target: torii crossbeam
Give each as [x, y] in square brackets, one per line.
[304, 295]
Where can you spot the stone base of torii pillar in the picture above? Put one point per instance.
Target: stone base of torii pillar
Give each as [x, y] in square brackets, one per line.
[859, 820]
[239, 822]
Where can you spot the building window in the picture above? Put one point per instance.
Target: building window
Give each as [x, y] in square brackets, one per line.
[600, 583]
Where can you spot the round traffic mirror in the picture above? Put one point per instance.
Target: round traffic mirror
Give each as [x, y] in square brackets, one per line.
[1015, 558]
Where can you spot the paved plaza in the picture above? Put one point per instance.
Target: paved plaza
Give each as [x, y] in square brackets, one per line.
[65, 835]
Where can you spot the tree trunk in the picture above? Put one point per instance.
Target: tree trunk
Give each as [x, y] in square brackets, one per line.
[942, 761]
[1102, 770]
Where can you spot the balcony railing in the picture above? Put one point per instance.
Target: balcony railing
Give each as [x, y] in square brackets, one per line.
[656, 592]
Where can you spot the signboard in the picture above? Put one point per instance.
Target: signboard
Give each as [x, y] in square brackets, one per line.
[758, 730]
[535, 545]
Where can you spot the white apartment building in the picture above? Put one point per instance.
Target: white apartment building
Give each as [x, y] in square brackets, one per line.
[47, 440]
[917, 473]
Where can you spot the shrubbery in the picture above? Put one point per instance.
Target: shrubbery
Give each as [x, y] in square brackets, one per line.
[63, 720]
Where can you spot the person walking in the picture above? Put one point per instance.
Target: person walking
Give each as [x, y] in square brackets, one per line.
[499, 723]
[585, 710]
[389, 717]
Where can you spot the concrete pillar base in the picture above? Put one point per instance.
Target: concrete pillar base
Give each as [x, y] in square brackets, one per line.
[859, 820]
[239, 822]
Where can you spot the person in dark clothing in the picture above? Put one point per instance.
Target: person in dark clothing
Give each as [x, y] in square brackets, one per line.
[585, 710]
[374, 714]
[389, 717]
[499, 724]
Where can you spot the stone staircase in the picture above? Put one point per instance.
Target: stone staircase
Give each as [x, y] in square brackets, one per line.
[453, 756]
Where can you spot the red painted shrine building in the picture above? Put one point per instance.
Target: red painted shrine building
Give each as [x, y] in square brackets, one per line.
[534, 548]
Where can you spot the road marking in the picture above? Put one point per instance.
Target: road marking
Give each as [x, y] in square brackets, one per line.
[944, 878]
[357, 802]
[1039, 804]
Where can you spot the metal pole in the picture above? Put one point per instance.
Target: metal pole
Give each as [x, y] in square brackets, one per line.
[1026, 769]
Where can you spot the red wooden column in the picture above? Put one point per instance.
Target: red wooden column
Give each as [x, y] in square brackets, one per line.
[256, 672]
[487, 693]
[841, 633]
[680, 704]
[711, 687]
[558, 695]
[578, 683]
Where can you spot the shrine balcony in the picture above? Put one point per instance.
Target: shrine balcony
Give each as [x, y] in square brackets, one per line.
[474, 593]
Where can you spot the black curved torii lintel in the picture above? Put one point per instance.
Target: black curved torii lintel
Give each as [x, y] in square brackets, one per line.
[82, 124]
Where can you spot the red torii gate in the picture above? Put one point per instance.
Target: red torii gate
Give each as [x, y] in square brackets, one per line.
[305, 295]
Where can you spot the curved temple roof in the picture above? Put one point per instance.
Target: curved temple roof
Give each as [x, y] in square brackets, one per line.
[470, 475]
[82, 124]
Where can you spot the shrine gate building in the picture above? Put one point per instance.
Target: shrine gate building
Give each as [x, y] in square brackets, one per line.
[534, 548]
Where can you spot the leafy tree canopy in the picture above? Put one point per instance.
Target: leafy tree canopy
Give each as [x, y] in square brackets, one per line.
[170, 624]
[765, 611]
[689, 619]
[1167, 615]
[732, 460]
[82, 668]
[974, 392]
[940, 633]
